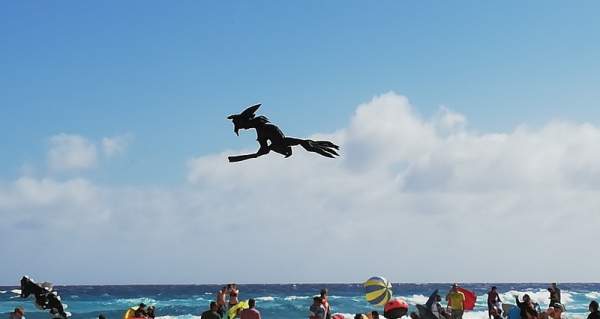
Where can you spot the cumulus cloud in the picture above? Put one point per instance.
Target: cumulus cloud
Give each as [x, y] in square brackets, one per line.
[112, 146]
[412, 198]
[71, 152]
[75, 153]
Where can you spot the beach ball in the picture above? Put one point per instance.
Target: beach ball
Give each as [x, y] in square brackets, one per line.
[395, 308]
[378, 291]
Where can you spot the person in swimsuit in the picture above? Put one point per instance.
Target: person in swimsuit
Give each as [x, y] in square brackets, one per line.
[221, 300]
[325, 300]
[527, 307]
[233, 295]
[494, 302]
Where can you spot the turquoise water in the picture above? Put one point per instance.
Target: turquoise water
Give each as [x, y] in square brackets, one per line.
[277, 301]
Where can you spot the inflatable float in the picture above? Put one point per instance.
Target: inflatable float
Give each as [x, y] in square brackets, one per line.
[234, 311]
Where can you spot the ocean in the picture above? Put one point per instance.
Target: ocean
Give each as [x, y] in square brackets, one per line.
[288, 301]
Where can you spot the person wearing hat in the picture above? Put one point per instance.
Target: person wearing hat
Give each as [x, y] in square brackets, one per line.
[456, 302]
[19, 313]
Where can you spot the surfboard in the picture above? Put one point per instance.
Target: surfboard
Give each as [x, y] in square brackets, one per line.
[470, 298]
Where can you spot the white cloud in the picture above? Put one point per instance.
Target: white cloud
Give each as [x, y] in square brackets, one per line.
[411, 198]
[71, 152]
[75, 153]
[112, 146]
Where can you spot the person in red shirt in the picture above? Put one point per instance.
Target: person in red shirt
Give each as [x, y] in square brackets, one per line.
[250, 313]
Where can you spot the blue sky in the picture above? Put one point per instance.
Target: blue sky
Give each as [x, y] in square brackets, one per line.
[168, 73]
[113, 117]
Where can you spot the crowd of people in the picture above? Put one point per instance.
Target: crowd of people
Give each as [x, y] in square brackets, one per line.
[228, 298]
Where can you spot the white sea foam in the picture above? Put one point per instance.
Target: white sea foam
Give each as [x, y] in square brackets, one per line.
[540, 296]
[288, 298]
[3, 291]
[593, 295]
[136, 301]
[268, 298]
[415, 299]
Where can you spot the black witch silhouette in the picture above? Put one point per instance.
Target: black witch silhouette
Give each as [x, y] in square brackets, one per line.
[45, 297]
[271, 138]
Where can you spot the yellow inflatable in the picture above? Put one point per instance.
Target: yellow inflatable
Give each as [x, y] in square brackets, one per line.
[234, 311]
[130, 313]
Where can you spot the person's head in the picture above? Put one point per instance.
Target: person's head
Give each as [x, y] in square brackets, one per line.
[142, 306]
[494, 289]
[375, 314]
[19, 312]
[101, 316]
[251, 303]
[438, 298]
[317, 300]
[526, 298]
[554, 285]
[229, 286]
[214, 306]
[454, 287]
[558, 308]
[323, 292]
[359, 316]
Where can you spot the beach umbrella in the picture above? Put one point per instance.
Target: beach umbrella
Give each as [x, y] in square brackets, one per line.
[395, 308]
[378, 290]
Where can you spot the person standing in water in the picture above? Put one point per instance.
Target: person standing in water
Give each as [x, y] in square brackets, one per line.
[456, 302]
[221, 300]
[233, 294]
[212, 312]
[140, 312]
[594, 313]
[317, 311]
[527, 307]
[251, 312]
[494, 302]
[554, 294]
[325, 301]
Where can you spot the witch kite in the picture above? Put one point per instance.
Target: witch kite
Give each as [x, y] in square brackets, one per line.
[271, 138]
[45, 297]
